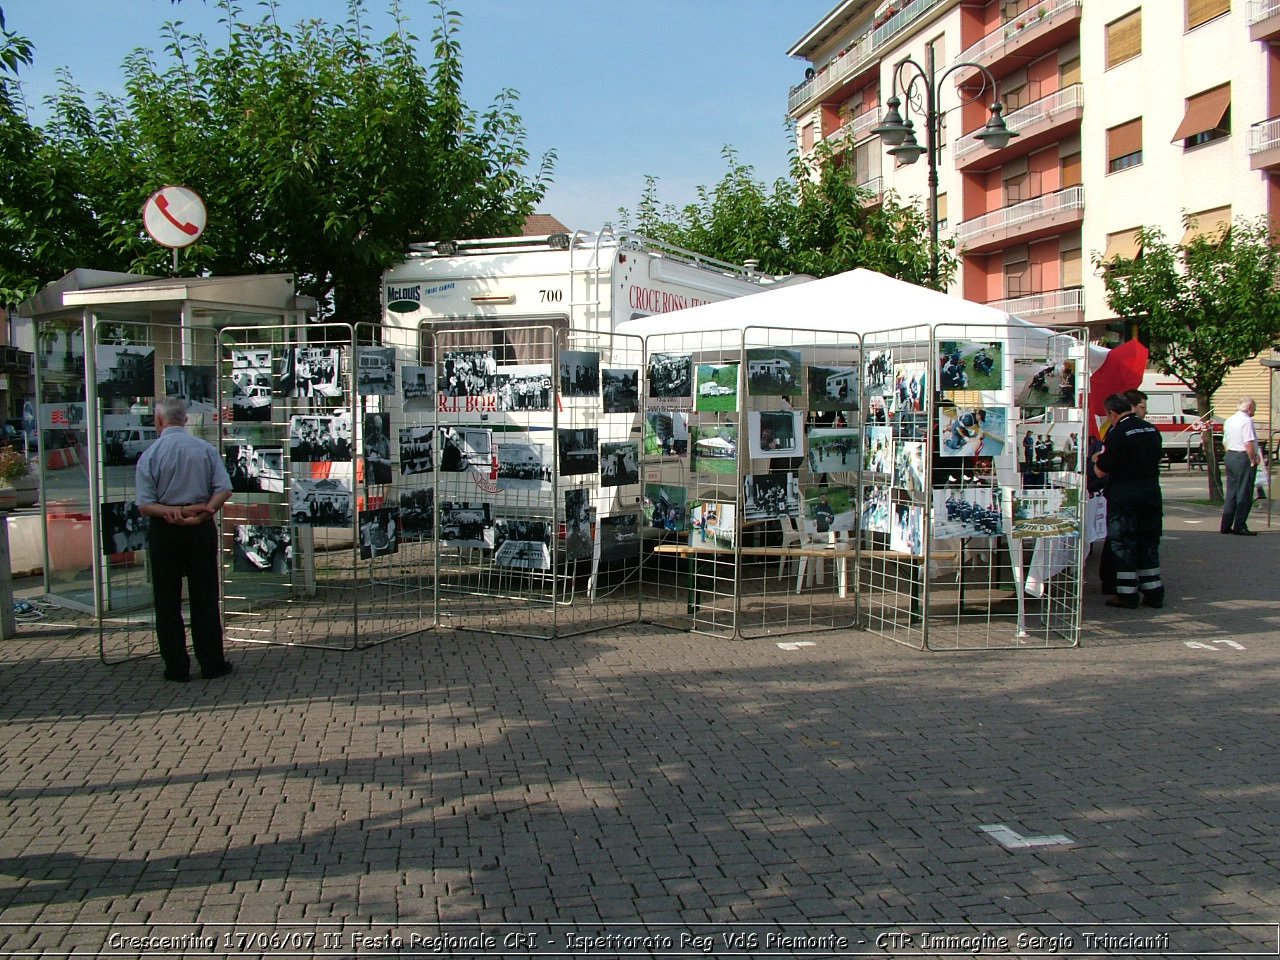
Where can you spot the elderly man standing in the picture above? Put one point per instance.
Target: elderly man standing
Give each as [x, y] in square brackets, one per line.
[181, 485]
[1242, 459]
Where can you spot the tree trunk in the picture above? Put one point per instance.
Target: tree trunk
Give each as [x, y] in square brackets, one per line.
[1212, 469]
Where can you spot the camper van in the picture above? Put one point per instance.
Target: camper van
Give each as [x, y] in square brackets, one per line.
[1172, 408]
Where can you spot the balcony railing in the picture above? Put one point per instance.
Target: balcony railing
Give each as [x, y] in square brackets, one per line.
[1260, 10]
[856, 129]
[855, 58]
[1016, 214]
[1070, 300]
[875, 187]
[1264, 135]
[1068, 98]
[1010, 31]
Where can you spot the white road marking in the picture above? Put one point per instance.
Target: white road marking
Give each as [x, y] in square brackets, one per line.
[1007, 837]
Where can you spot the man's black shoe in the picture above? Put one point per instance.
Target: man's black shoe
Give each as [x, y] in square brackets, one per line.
[177, 677]
[1245, 533]
[1155, 604]
[1123, 603]
[221, 671]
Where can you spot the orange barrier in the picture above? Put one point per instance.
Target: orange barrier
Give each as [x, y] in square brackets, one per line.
[61, 459]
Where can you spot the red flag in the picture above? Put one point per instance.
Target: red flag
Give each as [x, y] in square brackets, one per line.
[1122, 370]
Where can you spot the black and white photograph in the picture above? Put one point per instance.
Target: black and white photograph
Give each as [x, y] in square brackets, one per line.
[774, 372]
[522, 544]
[466, 448]
[379, 532]
[620, 390]
[715, 448]
[418, 385]
[579, 451]
[308, 371]
[523, 465]
[666, 507]
[833, 449]
[254, 469]
[579, 525]
[906, 535]
[320, 438]
[879, 372]
[467, 373]
[251, 385]
[909, 471]
[910, 388]
[671, 379]
[417, 515]
[196, 385]
[321, 503]
[262, 549]
[524, 387]
[774, 433]
[620, 537]
[969, 365]
[619, 463]
[375, 444]
[770, 495]
[967, 512]
[833, 388]
[466, 524]
[579, 373]
[666, 434]
[417, 450]
[877, 504]
[125, 371]
[126, 436]
[375, 371]
[124, 528]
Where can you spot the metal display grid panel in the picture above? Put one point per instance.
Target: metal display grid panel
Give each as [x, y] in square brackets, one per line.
[539, 423]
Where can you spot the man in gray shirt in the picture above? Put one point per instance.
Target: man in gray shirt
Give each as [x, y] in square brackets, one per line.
[182, 483]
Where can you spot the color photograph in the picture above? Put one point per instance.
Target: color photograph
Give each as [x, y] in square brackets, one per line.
[877, 507]
[774, 433]
[1050, 512]
[666, 434]
[878, 378]
[910, 388]
[834, 450]
[878, 452]
[1048, 447]
[715, 448]
[969, 365]
[906, 535]
[967, 512]
[717, 388]
[971, 431]
[831, 510]
[909, 471]
[666, 507]
[774, 372]
[833, 388]
[711, 524]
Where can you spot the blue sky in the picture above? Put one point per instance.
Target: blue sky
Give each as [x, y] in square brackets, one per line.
[618, 90]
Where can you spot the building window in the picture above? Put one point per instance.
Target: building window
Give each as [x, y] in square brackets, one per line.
[942, 211]
[1207, 118]
[1124, 38]
[1122, 244]
[1210, 224]
[1069, 170]
[806, 138]
[1202, 11]
[1124, 146]
[1068, 73]
[1017, 279]
[1072, 268]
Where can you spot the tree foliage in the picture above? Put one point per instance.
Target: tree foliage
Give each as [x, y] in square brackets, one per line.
[820, 225]
[318, 150]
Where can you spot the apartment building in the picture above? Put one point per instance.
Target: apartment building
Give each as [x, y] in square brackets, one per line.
[1147, 109]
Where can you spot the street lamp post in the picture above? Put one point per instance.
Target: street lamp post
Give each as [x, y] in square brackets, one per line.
[899, 134]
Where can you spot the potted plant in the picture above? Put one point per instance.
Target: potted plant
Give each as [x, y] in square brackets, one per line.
[17, 486]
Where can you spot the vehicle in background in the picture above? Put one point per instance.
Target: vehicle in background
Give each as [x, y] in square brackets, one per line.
[1173, 409]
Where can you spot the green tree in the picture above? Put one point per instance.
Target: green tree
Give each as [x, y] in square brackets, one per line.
[805, 224]
[1206, 306]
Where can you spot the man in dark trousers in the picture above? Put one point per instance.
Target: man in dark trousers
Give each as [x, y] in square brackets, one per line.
[1130, 464]
[182, 483]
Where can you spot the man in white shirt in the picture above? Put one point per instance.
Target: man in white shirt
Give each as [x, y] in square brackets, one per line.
[1242, 459]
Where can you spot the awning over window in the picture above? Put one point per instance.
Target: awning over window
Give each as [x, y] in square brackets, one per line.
[1123, 244]
[1204, 112]
[1208, 223]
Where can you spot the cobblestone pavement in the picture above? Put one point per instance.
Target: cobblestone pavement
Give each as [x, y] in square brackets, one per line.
[660, 777]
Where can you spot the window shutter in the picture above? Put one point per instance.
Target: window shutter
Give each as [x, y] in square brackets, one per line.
[1071, 175]
[1072, 268]
[1124, 38]
[1124, 139]
[1202, 11]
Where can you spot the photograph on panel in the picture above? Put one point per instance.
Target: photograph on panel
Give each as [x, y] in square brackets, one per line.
[877, 410]
[251, 385]
[379, 532]
[774, 433]
[878, 378]
[909, 472]
[254, 469]
[717, 388]
[579, 373]
[1047, 512]
[524, 387]
[417, 515]
[671, 379]
[912, 426]
[666, 434]
[125, 371]
[375, 445]
[766, 496]
[620, 389]
[910, 388]
[1036, 382]
[375, 371]
[1045, 447]
[262, 549]
[620, 537]
[466, 525]
[523, 464]
[466, 448]
[417, 450]
[321, 503]
[833, 449]
[878, 452]
[619, 463]
[310, 371]
[522, 544]
[972, 431]
[877, 507]
[831, 510]
[833, 388]
[194, 384]
[773, 372]
[124, 528]
[126, 436]
[579, 525]
[715, 448]
[970, 365]
[712, 524]
[579, 451]
[418, 385]
[467, 373]
[906, 535]
[967, 512]
[666, 507]
[320, 438]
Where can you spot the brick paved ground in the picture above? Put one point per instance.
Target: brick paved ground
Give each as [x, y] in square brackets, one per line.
[656, 776]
